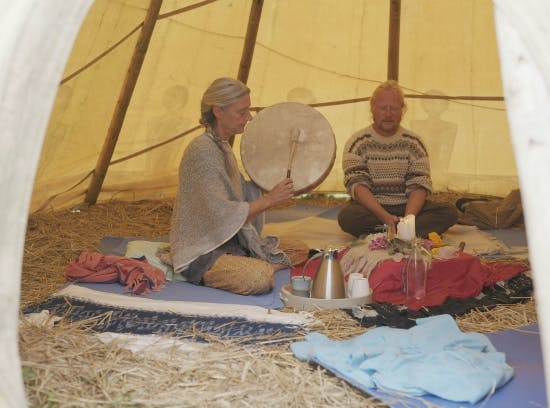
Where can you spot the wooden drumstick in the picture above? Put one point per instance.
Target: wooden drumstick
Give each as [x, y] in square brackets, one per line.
[296, 136]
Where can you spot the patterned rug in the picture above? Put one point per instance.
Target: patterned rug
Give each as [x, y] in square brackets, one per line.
[185, 320]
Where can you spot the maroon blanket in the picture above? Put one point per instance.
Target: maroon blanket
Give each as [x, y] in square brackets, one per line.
[461, 278]
[138, 276]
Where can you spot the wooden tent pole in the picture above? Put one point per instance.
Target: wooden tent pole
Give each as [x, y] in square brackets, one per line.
[393, 40]
[250, 40]
[123, 102]
[249, 43]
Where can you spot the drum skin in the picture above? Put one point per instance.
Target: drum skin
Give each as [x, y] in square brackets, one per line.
[267, 140]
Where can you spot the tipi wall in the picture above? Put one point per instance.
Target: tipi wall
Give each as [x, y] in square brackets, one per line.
[338, 54]
[308, 51]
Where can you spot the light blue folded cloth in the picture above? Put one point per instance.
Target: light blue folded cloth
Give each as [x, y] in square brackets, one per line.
[433, 357]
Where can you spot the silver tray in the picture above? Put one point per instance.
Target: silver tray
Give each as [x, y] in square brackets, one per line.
[307, 303]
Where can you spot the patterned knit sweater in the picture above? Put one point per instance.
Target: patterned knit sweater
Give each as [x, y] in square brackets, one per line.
[389, 166]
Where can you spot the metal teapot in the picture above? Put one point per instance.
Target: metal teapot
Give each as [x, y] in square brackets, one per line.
[328, 282]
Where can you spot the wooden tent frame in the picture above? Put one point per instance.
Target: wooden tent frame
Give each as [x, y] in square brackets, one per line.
[36, 61]
[140, 50]
[128, 86]
[146, 29]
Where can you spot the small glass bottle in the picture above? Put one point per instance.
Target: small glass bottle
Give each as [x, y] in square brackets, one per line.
[416, 270]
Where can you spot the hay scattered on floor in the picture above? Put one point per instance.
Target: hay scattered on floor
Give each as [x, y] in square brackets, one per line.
[55, 238]
[68, 366]
[333, 200]
[502, 317]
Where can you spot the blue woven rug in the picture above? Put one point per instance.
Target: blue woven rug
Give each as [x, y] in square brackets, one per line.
[117, 319]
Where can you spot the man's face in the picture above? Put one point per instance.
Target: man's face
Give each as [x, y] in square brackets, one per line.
[232, 119]
[387, 111]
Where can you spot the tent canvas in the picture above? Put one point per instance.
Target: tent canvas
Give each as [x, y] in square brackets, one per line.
[33, 57]
[306, 51]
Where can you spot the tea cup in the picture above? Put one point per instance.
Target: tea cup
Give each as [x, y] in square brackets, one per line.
[359, 288]
[301, 285]
[351, 278]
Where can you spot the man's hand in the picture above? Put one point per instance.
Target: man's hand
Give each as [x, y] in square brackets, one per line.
[364, 197]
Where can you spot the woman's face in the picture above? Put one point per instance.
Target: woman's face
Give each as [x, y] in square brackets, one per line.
[232, 119]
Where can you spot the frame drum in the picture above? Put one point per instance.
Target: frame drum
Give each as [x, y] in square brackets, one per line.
[267, 141]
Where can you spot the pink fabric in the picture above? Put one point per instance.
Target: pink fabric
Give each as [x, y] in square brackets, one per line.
[461, 278]
[139, 277]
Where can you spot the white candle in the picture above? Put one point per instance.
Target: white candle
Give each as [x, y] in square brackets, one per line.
[406, 228]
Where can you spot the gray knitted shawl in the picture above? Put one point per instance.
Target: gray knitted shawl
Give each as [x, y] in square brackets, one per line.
[208, 210]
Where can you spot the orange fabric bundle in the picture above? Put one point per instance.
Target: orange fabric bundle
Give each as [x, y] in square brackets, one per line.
[138, 276]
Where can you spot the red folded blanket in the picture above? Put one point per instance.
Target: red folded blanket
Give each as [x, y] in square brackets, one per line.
[461, 278]
[138, 276]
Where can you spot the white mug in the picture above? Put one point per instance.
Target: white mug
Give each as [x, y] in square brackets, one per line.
[301, 285]
[352, 277]
[359, 288]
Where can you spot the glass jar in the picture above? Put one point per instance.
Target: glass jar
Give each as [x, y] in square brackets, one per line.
[416, 271]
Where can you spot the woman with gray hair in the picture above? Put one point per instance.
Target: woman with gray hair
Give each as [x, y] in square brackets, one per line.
[217, 219]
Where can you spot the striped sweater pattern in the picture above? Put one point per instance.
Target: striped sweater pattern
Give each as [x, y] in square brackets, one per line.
[389, 166]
